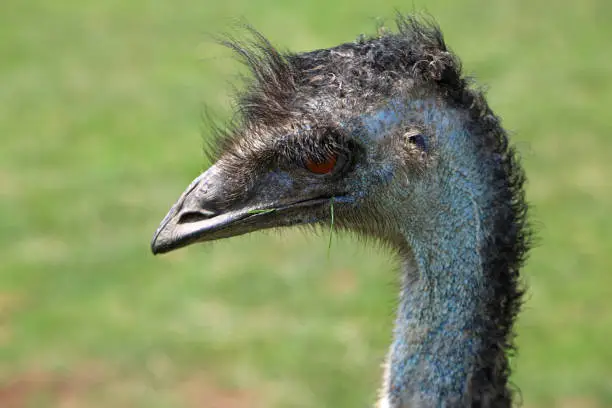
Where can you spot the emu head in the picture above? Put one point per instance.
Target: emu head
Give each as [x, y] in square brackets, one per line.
[355, 126]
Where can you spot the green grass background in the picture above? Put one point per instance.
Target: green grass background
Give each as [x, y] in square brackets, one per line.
[101, 130]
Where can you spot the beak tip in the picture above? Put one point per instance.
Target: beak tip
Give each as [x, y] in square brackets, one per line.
[160, 242]
[154, 246]
[159, 245]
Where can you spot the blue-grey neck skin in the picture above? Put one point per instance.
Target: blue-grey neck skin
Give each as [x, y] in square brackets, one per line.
[440, 328]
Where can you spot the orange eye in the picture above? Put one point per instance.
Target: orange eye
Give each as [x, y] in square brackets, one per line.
[322, 167]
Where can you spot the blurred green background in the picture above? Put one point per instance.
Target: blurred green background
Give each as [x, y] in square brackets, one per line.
[101, 129]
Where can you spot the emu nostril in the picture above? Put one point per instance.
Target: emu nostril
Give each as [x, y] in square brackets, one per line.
[195, 215]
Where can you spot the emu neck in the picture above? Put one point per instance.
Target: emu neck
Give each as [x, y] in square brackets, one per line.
[439, 332]
[448, 349]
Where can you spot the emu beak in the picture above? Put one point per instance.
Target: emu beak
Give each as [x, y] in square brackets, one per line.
[191, 216]
[197, 216]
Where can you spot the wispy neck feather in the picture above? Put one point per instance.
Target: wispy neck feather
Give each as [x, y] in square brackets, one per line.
[459, 291]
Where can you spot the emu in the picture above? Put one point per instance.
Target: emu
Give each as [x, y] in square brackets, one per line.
[389, 132]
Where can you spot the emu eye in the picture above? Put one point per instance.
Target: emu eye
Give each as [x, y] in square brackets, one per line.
[322, 167]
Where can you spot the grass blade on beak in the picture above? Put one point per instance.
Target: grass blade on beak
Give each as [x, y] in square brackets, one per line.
[268, 211]
[331, 226]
